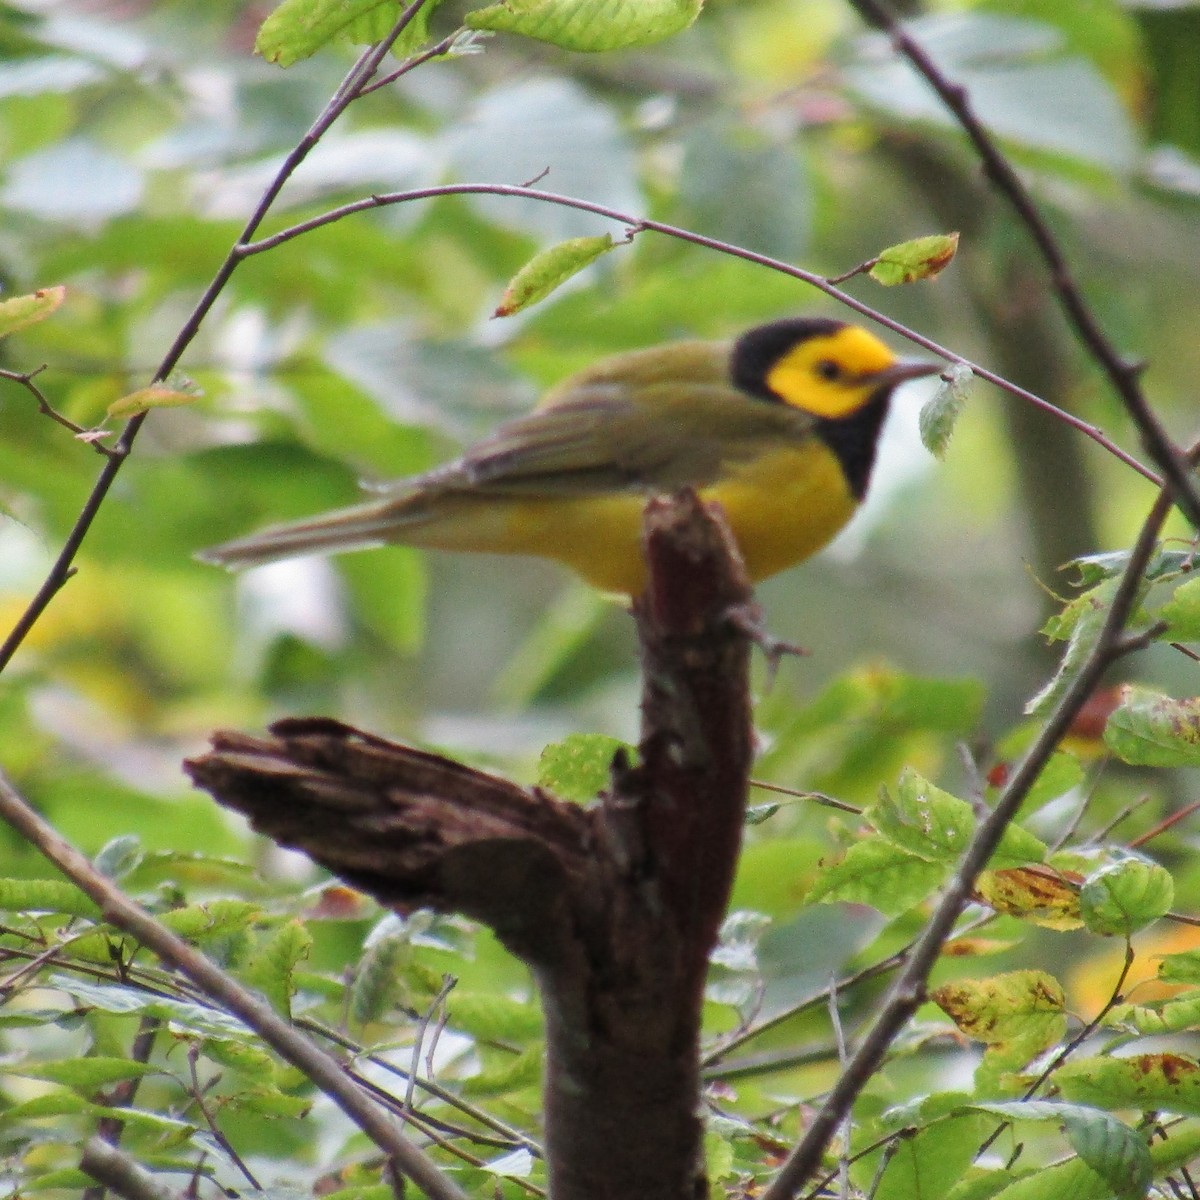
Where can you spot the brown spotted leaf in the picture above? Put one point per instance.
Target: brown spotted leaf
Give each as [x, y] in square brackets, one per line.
[1017, 1015]
[1043, 895]
[1165, 1082]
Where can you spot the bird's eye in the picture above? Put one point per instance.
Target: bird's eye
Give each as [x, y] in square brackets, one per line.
[828, 369]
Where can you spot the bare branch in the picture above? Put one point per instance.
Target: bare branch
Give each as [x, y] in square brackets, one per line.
[115, 1170]
[819, 282]
[325, 1071]
[61, 570]
[1124, 374]
[908, 991]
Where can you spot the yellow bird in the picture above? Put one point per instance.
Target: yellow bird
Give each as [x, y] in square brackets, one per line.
[779, 426]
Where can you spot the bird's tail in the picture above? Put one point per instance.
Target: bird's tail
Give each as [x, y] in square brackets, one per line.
[358, 528]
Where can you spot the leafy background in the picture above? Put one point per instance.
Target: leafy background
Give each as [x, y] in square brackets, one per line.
[135, 140]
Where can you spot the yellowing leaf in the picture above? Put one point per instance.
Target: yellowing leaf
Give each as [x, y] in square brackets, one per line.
[21, 311]
[1038, 894]
[921, 258]
[1017, 1015]
[1170, 1082]
[589, 25]
[147, 398]
[548, 270]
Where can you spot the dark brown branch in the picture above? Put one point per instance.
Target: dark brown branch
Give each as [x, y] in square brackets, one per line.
[615, 907]
[1124, 374]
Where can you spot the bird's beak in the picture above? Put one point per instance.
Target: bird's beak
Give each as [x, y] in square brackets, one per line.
[905, 368]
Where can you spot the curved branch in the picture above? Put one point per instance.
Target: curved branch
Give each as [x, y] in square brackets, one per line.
[324, 1070]
[1123, 374]
[638, 224]
[62, 568]
[908, 991]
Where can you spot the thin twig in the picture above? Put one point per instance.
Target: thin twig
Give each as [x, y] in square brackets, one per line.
[409, 64]
[1061, 1057]
[62, 569]
[218, 1134]
[1164, 825]
[449, 982]
[908, 990]
[804, 794]
[486, 1119]
[325, 1071]
[384, 199]
[1124, 374]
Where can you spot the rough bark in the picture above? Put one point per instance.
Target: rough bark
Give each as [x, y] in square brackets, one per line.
[615, 907]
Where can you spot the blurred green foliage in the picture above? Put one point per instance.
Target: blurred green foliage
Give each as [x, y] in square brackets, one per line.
[133, 148]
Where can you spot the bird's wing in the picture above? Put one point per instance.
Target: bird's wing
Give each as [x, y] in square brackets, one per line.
[598, 440]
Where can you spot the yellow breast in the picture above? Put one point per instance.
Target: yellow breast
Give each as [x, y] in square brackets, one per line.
[782, 507]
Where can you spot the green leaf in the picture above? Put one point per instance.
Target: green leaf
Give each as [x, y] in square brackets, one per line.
[926, 1164]
[1158, 1017]
[22, 311]
[517, 1073]
[297, 29]
[1123, 897]
[214, 918]
[45, 895]
[84, 1073]
[1093, 568]
[925, 820]
[376, 24]
[1080, 623]
[589, 25]
[1183, 967]
[490, 1016]
[1060, 775]
[881, 874]
[1182, 613]
[579, 767]
[940, 413]
[127, 1001]
[271, 967]
[550, 269]
[1166, 1081]
[920, 258]
[120, 856]
[1111, 1148]
[1150, 729]
[244, 1056]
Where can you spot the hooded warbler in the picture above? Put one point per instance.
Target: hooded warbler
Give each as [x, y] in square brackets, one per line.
[779, 426]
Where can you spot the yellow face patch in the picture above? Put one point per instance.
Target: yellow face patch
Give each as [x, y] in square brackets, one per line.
[830, 376]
